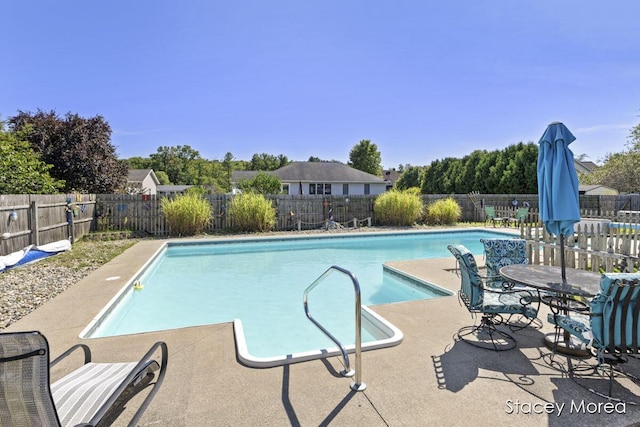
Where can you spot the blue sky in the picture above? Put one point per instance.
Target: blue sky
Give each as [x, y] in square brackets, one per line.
[421, 79]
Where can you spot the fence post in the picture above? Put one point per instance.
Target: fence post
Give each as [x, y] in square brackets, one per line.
[35, 236]
[69, 209]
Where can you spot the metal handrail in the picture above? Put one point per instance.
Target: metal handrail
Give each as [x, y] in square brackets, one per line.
[357, 384]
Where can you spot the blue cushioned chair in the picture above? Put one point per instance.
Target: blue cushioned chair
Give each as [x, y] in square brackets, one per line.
[490, 303]
[499, 252]
[610, 329]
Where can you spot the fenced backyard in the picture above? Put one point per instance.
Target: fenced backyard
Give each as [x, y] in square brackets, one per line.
[606, 239]
[40, 219]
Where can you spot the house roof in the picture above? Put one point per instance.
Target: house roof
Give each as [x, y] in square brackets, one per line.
[584, 166]
[173, 188]
[596, 189]
[391, 175]
[324, 172]
[315, 172]
[138, 175]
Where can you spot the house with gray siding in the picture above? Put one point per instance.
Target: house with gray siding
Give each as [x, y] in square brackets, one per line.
[321, 178]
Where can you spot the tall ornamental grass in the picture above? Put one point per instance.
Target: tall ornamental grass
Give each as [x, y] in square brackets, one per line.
[187, 215]
[251, 212]
[444, 212]
[398, 208]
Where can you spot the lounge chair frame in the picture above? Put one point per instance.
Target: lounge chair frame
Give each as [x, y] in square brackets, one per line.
[33, 400]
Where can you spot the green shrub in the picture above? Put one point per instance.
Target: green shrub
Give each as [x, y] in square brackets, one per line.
[251, 212]
[444, 212]
[413, 190]
[398, 208]
[263, 183]
[187, 214]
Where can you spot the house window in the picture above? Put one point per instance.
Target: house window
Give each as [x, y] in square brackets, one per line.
[319, 188]
[367, 189]
[345, 189]
[285, 188]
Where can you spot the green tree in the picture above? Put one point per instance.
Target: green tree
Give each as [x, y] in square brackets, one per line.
[268, 162]
[180, 163]
[409, 178]
[365, 156]
[468, 174]
[163, 178]
[512, 170]
[262, 183]
[79, 150]
[227, 163]
[619, 170]
[140, 163]
[21, 170]
[520, 173]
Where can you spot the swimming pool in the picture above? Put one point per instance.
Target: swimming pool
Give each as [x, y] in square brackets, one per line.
[258, 284]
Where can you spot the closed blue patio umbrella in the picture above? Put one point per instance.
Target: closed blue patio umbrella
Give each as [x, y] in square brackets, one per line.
[558, 184]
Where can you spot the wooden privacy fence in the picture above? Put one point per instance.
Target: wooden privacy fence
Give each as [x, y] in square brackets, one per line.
[143, 214]
[40, 219]
[596, 247]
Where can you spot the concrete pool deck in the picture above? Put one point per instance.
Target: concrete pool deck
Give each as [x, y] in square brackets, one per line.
[429, 379]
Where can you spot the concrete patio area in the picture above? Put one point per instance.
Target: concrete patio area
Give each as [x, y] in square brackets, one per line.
[429, 379]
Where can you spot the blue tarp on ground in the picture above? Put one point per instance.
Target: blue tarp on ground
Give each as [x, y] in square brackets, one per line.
[32, 253]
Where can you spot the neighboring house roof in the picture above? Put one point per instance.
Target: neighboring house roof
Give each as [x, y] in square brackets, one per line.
[584, 166]
[391, 175]
[315, 172]
[324, 172]
[243, 175]
[173, 188]
[138, 175]
[593, 190]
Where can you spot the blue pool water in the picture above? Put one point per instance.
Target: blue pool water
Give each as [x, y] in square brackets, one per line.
[262, 281]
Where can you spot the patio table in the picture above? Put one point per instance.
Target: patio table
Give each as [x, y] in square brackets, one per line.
[579, 283]
[501, 220]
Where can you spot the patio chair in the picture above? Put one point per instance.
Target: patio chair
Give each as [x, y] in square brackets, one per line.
[490, 215]
[609, 329]
[520, 217]
[93, 393]
[498, 253]
[490, 303]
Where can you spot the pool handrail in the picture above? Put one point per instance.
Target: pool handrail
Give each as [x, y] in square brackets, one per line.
[357, 384]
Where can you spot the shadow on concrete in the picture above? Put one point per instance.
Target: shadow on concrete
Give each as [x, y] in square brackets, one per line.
[461, 363]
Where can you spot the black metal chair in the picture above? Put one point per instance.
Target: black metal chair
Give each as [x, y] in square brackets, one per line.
[490, 303]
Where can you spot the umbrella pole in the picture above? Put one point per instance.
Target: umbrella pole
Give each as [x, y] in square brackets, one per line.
[562, 263]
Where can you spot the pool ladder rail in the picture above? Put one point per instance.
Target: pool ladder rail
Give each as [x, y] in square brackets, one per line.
[357, 384]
